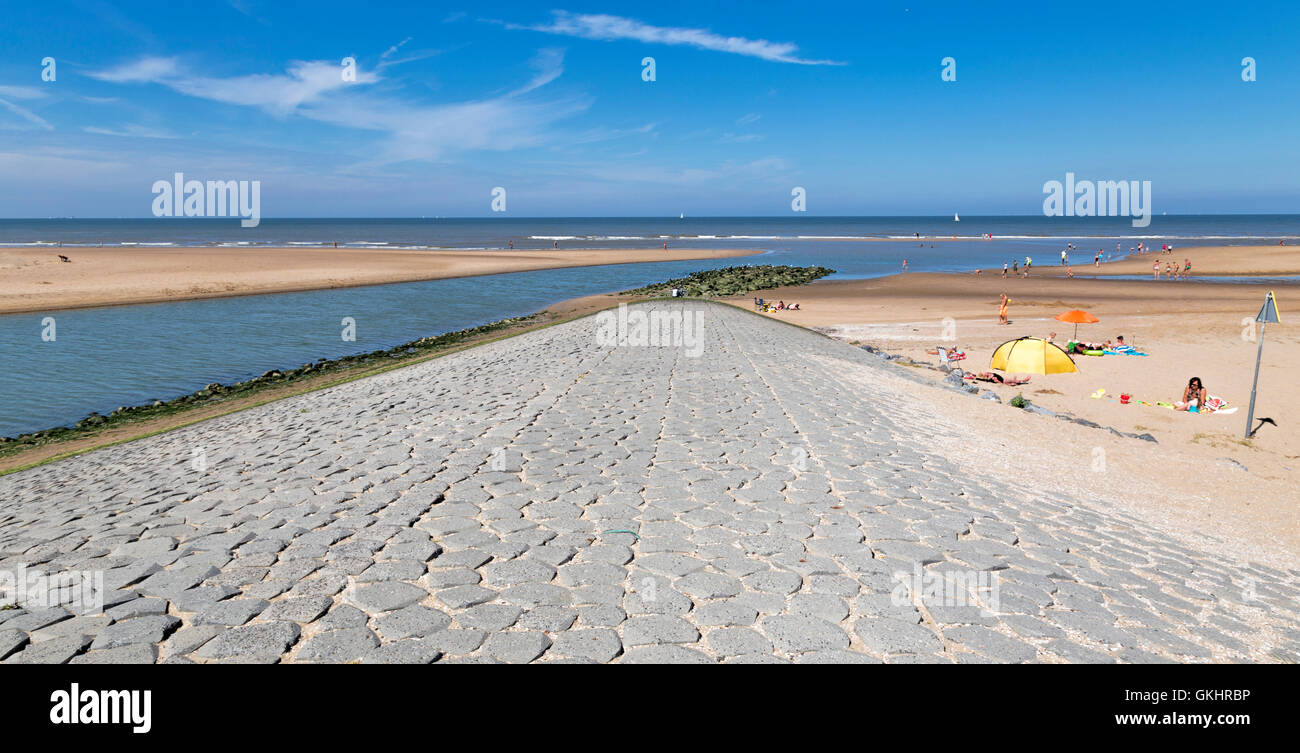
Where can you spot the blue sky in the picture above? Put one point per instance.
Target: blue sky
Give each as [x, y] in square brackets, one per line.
[750, 100]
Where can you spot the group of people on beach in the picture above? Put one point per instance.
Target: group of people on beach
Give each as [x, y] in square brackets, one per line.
[1172, 270]
[1014, 267]
[768, 306]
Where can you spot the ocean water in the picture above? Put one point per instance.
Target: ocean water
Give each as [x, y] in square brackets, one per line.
[106, 357]
[626, 232]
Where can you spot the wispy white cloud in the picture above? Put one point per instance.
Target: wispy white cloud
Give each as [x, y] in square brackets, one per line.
[752, 117]
[393, 50]
[607, 28]
[132, 130]
[144, 70]
[22, 92]
[9, 93]
[315, 90]
[281, 94]
[594, 135]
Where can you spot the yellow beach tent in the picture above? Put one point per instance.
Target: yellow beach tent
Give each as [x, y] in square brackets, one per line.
[1032, 355]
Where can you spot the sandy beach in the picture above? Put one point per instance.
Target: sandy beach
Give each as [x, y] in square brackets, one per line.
[1214, 261]
[1188, 328]
[36, 280]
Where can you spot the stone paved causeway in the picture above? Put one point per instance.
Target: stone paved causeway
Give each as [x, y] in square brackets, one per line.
[552, 497]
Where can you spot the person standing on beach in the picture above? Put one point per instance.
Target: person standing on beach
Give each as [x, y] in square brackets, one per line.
[1096, 260]
[1155, 270]
[555, 244]
[1004, 269]
[1002, 310]
[1064, 258]
[905, 265]
[512, 245]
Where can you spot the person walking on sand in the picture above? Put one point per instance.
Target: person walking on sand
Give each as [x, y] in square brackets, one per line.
[1064, 258]
[1004, 269]
[1002, 310]
[1155, 270]
[1096, 260]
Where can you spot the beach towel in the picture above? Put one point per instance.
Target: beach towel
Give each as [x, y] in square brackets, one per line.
[1124, 350]
[1214, 402]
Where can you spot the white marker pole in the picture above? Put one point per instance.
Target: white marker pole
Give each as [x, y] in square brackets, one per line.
[1250, 414]
[1267, 315]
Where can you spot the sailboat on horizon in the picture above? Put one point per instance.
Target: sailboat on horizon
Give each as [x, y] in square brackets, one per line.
[955, 218]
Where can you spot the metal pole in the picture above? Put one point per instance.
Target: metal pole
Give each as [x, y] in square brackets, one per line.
[1250, 414]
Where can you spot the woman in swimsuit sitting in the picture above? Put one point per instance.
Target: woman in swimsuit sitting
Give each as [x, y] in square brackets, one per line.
[1193, 397]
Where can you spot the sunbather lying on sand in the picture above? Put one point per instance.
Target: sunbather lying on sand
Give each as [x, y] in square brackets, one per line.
[996, 378]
